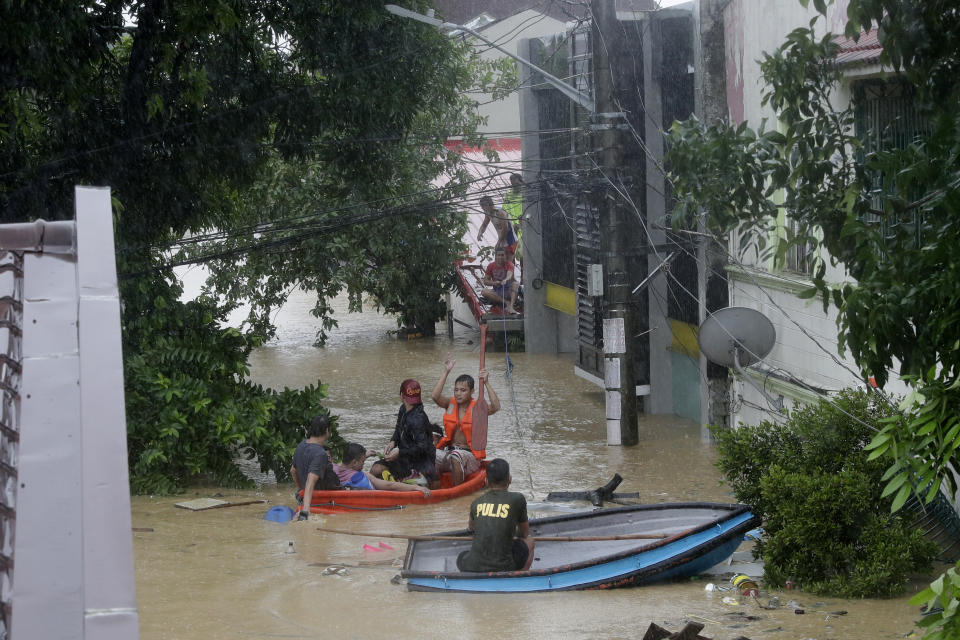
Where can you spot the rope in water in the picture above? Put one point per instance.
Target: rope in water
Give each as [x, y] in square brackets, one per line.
[513, 401]
[347, 506]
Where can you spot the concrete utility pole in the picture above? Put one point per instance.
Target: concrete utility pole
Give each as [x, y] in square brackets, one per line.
[619, 378]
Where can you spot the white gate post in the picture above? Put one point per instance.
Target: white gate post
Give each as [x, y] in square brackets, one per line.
[109, 597]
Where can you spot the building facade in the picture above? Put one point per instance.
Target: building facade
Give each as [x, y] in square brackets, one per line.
[804, 364]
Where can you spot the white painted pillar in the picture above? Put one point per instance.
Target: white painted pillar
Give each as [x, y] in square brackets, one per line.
[109, 597]
[73, 547]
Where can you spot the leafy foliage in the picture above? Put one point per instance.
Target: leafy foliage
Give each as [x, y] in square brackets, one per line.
[942, 601]
[827, 521]
[284, 143]
[924, 445]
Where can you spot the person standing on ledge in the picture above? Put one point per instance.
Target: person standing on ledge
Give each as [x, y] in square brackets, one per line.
[506, 238]
[513, 205]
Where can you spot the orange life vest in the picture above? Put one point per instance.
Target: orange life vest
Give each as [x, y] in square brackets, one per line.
[451, 424]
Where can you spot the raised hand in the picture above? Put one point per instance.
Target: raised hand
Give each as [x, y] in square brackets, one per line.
[448, 363]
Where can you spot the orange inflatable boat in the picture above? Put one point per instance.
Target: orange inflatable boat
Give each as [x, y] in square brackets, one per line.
[352, 500]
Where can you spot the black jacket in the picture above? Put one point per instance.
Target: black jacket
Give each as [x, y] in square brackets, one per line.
[414, 438]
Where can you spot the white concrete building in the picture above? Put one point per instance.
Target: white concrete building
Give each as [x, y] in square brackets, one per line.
[804, 362]
[503, 116]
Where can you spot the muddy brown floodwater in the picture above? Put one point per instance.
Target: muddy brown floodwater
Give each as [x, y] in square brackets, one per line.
[228, 573]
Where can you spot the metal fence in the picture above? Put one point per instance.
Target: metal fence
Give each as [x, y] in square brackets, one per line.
[11, 333]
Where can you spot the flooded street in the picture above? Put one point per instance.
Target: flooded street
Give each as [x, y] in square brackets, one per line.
[227, 573]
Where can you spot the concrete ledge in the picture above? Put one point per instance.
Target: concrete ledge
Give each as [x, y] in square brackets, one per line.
[767, 279]
[497, 322]
[642, 389]
[782, 387]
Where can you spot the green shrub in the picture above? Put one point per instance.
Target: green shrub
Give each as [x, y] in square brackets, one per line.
[827, 526]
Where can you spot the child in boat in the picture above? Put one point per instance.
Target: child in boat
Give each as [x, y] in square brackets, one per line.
[352, 476]
[501, 532]
[455, 451]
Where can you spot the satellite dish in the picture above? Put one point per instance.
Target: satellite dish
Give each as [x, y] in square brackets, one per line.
[738, 337]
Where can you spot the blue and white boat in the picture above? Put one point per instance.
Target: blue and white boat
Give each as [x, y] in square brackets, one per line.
[619, 547]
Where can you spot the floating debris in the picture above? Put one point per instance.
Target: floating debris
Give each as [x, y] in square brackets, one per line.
[202, 504]
[334, 570]
[746, 584]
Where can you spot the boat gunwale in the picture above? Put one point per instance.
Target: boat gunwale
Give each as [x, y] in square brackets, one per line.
[734, 511]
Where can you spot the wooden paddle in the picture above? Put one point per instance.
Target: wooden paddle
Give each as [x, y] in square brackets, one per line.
[479, 438]
[631, 536]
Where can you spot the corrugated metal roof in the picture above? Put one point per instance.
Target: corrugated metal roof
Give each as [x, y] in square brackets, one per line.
[864, 51]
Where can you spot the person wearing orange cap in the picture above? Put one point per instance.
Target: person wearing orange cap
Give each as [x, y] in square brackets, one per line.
[410, 451]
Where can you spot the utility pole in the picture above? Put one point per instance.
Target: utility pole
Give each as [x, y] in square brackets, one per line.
[618, 349]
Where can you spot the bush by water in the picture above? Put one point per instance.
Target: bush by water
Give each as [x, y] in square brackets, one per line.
[827, 525]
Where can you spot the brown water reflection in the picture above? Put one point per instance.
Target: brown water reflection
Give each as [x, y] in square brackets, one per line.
[226, 573]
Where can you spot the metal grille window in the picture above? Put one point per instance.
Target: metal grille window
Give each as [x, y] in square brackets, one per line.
[569, 227]
[886, 118]
[581, 60]
[589, 309]
[799, 257]
[11, 320]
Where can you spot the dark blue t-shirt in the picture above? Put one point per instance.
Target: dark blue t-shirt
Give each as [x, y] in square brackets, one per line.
[309, 458]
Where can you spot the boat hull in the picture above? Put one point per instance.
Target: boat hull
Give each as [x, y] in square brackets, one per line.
[682, 554]
[342, 501]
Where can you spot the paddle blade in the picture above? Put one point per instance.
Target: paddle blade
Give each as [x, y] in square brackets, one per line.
[480, 425]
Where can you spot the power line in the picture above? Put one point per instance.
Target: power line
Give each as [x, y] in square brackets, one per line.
[305, 227]
[826, 399]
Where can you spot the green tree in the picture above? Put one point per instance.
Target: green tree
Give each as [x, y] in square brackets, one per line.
[300, 139]
[904, 307]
